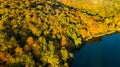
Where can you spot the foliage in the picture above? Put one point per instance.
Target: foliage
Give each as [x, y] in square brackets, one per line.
[41, 33]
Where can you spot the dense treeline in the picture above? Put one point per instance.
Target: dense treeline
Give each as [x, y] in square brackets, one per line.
[42, 33]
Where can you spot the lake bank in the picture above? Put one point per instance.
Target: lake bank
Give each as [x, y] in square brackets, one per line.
[101, 53]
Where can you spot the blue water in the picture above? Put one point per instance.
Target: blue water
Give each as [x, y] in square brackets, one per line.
[99, 54]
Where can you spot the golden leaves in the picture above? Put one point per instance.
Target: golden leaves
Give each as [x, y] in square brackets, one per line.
[2, 11]
[35, 45]
[64, 41]
[3, 57]
[34, 30]
[66, 2]
[117, 28]
[54, 61]
[93, 28]
[98, 28]
[5, 3]
[1, 27]
[18, 50]
[111, 27]
[118, 23]
[90, 21]
[107, 20]
[30, 40]
[66, 65]
[28, 18]
[27, 3]
[117, 20]
[84, 33]
[102, 27]
[83, 17]
[64, 53]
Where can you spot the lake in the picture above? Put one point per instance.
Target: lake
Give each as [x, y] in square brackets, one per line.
[99, 52]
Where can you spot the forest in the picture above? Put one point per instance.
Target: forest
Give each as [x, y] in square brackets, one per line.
[43, 33]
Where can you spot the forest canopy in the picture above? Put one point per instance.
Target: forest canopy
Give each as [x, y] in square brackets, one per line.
[43, 33]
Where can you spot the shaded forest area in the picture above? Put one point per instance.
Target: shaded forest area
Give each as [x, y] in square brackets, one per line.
[42, 33]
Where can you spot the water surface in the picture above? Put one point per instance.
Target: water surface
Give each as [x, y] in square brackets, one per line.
[103, 53]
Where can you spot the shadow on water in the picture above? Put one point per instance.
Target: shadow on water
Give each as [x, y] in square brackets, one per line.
[99, 52]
